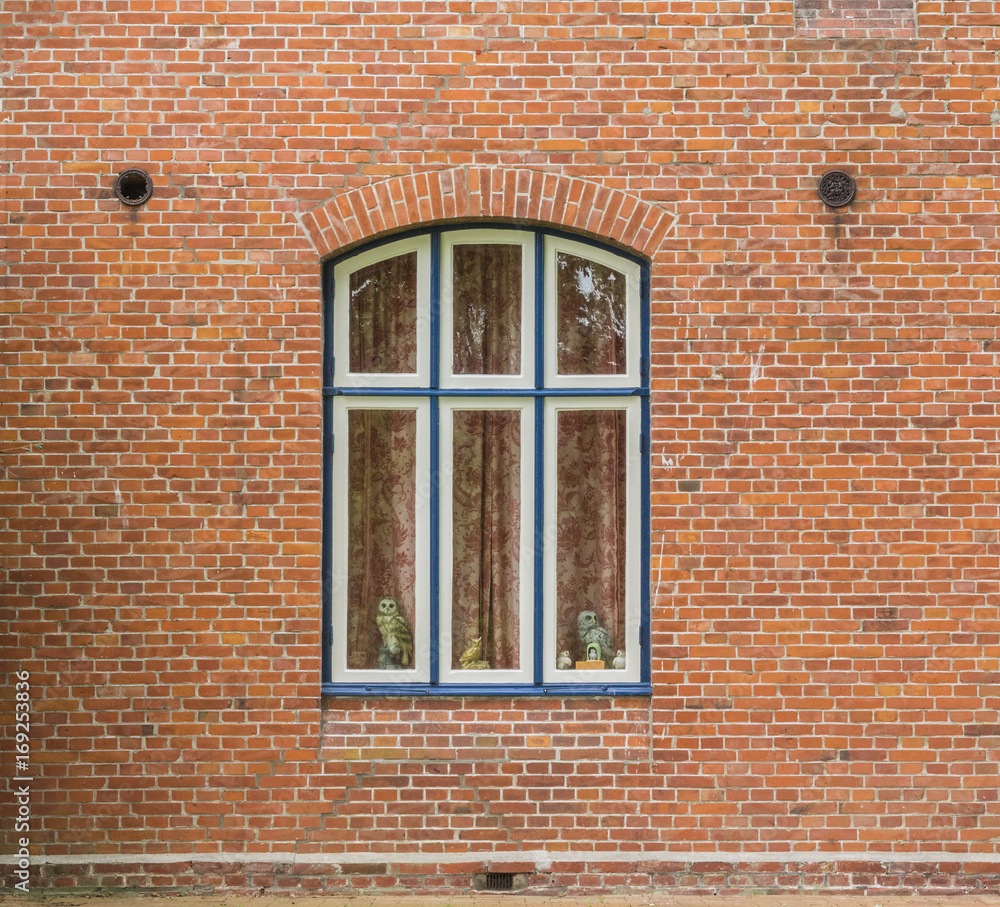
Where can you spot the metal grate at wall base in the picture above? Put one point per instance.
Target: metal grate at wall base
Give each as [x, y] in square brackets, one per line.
[499, 881]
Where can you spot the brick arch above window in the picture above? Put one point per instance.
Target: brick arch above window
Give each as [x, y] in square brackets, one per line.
[495, 194]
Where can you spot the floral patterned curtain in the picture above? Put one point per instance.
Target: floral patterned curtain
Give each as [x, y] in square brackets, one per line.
[486, 292]
[590, 525]
[381, 558]
[486, 497]
[486, 485]
[591, 317]
[382, 457]
[591, 456]
[383, 317]
[487, 534]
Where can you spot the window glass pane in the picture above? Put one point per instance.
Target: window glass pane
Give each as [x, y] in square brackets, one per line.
[590, 560]
[486, 293]
[383, 312]
[486, 539]
[381, 536]
[590, 299]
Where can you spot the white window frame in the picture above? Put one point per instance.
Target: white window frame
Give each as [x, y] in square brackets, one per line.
[633, 327]
[526, 571]
[631, 406]
[342, 317]
[421, 670]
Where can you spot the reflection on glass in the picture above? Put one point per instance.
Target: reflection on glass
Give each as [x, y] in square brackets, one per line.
[486, 539]
[486, 289]
[383, 317]
[590, 330]
[590, 538]
[381, 536]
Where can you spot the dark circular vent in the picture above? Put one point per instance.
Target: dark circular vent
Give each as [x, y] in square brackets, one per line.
[133, 186]
[836, 188]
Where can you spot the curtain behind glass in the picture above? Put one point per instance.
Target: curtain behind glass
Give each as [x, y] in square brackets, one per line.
[486, 486]
[381, 531]
[591, 308]
[486, 289]
[486, 540]
[591, 476]
[383, 317]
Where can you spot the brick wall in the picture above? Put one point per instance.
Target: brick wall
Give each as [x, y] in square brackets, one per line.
[857, 19]
[825, 513]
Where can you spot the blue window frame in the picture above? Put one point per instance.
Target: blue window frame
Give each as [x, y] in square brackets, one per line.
[486, 468]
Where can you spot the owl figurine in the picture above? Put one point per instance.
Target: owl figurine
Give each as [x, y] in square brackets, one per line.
[386, 660]
[472, 658]
[397, 637]
[596, 642]
[619, 661]
[564, 662]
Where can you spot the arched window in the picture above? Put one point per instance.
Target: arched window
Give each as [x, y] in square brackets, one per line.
[486, 476]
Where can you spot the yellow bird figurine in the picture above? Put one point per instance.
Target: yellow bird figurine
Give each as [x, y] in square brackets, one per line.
[471, 658]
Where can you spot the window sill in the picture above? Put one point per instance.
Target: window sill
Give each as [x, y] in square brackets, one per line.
[483, 689]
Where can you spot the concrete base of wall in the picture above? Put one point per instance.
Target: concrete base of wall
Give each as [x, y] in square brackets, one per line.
[545, 875]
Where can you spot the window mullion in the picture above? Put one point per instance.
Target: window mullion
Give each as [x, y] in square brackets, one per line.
[435, 541]
[538, 562]
[435, 456]
[539, 310]
[435, 310]
[538, 636]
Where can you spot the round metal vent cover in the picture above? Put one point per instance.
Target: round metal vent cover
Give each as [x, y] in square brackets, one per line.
[837, 188]
[133, 186]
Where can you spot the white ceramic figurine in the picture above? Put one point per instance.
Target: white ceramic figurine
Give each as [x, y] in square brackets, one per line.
[596, 641]
[397, 637]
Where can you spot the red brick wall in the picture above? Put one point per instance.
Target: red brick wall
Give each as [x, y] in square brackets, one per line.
[826, 637]
[857, 19]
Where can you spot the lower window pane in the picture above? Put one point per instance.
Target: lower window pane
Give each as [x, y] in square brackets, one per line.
[591, 476]
[486, 539]
[381, 538]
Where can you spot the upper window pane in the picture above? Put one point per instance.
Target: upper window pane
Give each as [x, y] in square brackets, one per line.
[486, 293]
[591, 320]
[383, 317]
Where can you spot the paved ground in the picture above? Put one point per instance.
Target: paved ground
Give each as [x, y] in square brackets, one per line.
[637, 900]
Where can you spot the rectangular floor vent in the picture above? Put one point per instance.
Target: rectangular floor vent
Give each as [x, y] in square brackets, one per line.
[499, 881]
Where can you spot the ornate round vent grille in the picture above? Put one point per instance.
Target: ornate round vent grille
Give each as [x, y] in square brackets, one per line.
[836, 188]
[133, 186]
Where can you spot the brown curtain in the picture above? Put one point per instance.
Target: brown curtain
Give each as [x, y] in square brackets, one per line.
[591, 317]
[383, 317]
[590, 524]
[486, 484]
[486, 530]
[381, 530]
[486, 293]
